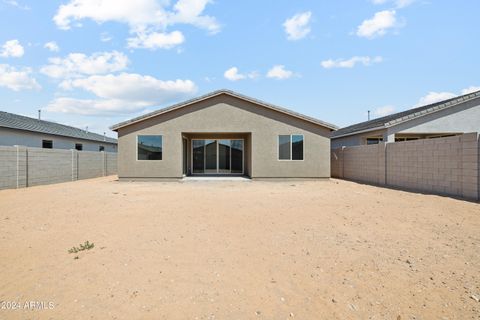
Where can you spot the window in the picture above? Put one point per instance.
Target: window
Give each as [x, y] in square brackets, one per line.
[149, 147]
[290, 147]
[374, 140]
[404, 139]
[101, 148]
[78, 146]
[47, 144]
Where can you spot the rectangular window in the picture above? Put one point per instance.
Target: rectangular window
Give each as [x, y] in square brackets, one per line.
[78, 146]
[47, 144]
[290, 147]
[149, 147]
[374, 140]
[101, 148]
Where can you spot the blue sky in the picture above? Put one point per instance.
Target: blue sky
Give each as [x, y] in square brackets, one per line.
[95, 63]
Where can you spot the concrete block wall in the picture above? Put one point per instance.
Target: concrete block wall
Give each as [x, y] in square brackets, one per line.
[447, 166]
[110, 163]
[8, 167]
[471, 165]
[90, 164]
[364, 163]
[25, 167]
[47, 166]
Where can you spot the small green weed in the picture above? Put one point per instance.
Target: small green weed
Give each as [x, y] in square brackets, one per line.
[86, 246]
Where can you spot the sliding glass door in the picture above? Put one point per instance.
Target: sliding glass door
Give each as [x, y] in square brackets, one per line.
[223, 156]
[217, 156]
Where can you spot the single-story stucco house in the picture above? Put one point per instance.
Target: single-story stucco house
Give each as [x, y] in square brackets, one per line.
[20, 130]
[223, 133]
[445, 118]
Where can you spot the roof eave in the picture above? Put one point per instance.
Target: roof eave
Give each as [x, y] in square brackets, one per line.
[360, 131]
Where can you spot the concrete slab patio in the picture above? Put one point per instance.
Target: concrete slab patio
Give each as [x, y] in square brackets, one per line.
[229, 250]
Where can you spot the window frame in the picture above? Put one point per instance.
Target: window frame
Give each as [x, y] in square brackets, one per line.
[136, 147]
[291, 147]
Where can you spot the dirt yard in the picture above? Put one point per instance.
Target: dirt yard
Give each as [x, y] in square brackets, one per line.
[237, 250]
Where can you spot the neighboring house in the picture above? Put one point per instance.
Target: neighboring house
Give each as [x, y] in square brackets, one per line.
[446, 118]
[223, 133]
[20, 130]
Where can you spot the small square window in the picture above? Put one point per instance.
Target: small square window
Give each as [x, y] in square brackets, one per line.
[101, 148]
[79, 146]
[149, 147]
[47, 144]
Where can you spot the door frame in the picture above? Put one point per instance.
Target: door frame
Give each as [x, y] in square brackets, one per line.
[204, 155]
[184, 156]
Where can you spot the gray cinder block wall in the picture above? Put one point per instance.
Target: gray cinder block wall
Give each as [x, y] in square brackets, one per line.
[447, 166]
[22, 167]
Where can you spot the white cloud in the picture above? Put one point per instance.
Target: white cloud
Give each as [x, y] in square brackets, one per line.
[77, 64]
[378, 25]
[12, 48]
[383, 111]
[279, 72]
[232, 74]
[297, 26]
[52, 46]
[433, 97]
[190, 12]
[17, 79]
[350, 63]
[156, 40]
[123, 93]
[470, 89]
[146, 18]
[94, 106]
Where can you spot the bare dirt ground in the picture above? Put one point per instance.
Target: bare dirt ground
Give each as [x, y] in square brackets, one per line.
[237, 250]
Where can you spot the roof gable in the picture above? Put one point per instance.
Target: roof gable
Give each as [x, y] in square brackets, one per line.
[400, 117]
[218, 93]
[16, 121]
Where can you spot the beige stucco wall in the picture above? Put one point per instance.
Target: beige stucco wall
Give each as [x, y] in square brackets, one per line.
[228, 115]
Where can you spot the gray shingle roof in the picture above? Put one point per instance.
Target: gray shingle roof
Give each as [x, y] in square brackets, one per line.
[15, 121]
[396, 118]
[230, 93]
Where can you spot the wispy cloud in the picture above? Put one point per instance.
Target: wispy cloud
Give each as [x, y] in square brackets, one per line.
[121, 94]
[17, 79]
[16, 4]
[378, 25]
[397, 3]
[52, 46]
[350, 63]
[78, 64]
[383, 111]
[297, 27]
